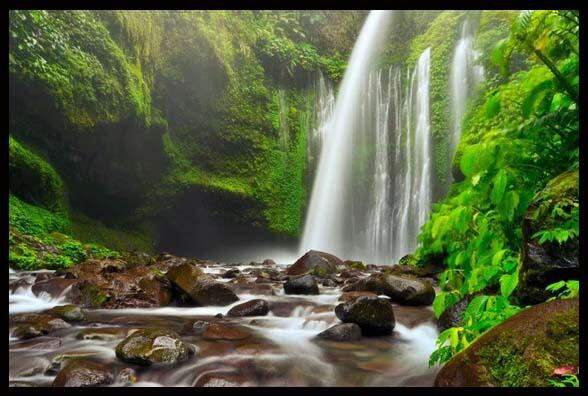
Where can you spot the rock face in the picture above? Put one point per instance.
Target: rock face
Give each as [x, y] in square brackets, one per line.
[255, 307]
[373, 315]
[400, 289]
[543, 264]
[153, 346]
[81, 372]
[305, 284]
[524, 350]
[320, 263]
[341, 332]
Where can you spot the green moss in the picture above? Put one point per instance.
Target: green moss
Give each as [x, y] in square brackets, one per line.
[92, 296]
[94, 232]
[73, 55]
[512, 362]
[33, 220]
[33, 179]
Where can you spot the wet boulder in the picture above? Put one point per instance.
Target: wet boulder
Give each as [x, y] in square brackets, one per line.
[153, 346]
[83, 373]
[407, 291]
[269, 262]
[36, 325]
[184, 276]
[373, 315]
[69, 313]
[341, 332]
[207, 291]
[231, 273]
[372, 283]
[257, 307]
[545, 263]
[319, 263]
[522, 351]
[305, 284]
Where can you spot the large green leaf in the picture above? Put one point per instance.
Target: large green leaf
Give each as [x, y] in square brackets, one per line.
[536, 95]
[493, 105]
[500, 181]
[470, 159]
[508, 283]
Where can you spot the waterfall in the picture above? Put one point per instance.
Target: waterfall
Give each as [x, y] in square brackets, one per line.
[372, 191]
[464, 78]
[326, 217]
[324, 105]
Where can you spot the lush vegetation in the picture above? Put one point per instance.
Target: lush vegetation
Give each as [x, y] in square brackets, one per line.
[522, 135]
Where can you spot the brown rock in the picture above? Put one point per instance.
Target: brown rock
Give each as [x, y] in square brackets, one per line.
[82, 372]
[523, 350]
[220, 331]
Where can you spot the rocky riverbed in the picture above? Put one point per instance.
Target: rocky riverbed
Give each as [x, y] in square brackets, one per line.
[171, 321]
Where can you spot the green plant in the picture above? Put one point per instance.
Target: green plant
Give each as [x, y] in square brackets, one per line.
[55, 261]
[74, 251]
[23, 258]
[566, 289]
[567, 380]
[482, 313]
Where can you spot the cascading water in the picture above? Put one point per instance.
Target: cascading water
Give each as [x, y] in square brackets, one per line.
[372, 192]
[326, 218]
[464, 78]
[324, 105]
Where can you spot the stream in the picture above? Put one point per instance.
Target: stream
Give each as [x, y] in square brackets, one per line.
[278, 349]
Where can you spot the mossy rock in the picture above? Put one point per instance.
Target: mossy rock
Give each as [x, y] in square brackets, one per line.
[32, 178]
[524, 350]
[550, 262]
[153, 346]
[69, 313]
[355, 265]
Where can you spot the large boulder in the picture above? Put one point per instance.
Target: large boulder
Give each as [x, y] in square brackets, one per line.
[207, 291]
[341, 332]
[305, 284]
[543, 264]
[153, 346]
[373, 315]
[319, 263]
[407, 291]
[201, 289]
[82, 373]
[257, 307]
[522, 351]
[401, 289]
[184, 276]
